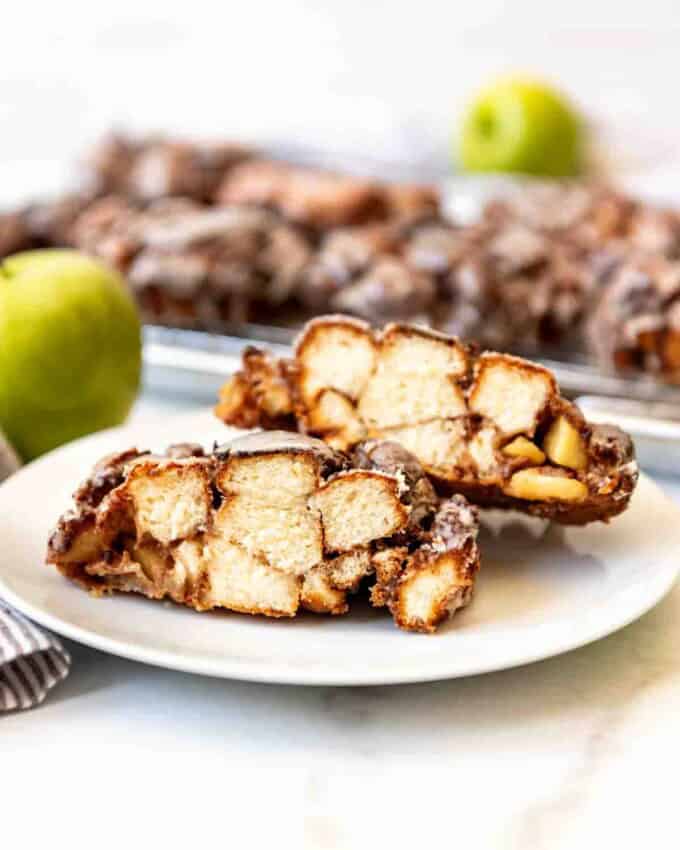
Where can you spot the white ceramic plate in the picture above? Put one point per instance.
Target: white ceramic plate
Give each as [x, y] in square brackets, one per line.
[542, 590]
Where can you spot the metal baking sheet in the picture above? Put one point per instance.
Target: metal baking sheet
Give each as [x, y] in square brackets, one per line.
[194, 354]
[195, 364]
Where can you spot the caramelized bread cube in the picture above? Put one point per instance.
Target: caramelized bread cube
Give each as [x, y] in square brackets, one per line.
[334, 355]
[170, 500]
[430, 590]
[425, 587]
[512, 393]
[357, 507]
[290, 537]
[333, 416]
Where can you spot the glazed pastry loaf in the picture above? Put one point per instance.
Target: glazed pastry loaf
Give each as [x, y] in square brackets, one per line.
[492, 427]
[269, 524]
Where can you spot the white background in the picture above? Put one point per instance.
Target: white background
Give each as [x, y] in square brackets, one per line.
[379, 78]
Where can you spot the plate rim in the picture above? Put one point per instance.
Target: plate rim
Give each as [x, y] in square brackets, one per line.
[277, 672]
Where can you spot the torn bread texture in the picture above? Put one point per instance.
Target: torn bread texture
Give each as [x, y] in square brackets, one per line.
[490, 426]
[269, 524]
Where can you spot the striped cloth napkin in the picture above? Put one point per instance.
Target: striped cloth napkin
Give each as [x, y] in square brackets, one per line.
[32, 661]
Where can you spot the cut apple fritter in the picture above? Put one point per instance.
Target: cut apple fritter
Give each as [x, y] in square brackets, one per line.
[490, 426]
[269, 524]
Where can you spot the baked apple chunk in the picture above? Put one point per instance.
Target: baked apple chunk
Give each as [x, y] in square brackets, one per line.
[270, 524]
[490, 426]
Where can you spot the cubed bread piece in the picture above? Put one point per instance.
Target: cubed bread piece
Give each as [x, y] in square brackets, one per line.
[414, 379]
[426, 586]
[391, 458]
[357, 507]
[270, 478]
[430, 590]
[267, 481]
[409, 348]
[388, 565]
[262, 392]
[441, 445]
[287, 537]
[234, 405]
[514, 394]
[319, 595]
[334, 417]
[483, 451]
[392, 399]
[332, 411]
[75, 539]
[170, 500]
[237, 579]
[336, 354]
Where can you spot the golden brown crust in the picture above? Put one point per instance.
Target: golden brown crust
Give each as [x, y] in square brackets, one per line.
[388, 565]
[456, 591]
[349, 335]
[399, 330]
[261, 394]
[456, 412]
[319, 595]
[425, 586]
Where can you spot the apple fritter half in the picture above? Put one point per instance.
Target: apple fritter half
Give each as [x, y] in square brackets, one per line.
[490, 426]
[270, 524]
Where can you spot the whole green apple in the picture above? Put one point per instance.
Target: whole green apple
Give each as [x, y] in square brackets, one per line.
[521, 125]
[70, 349]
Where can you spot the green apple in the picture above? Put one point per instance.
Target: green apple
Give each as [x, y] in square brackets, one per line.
[70, 349]
[521, 125]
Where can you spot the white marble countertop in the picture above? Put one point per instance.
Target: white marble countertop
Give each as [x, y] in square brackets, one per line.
[574, 752]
